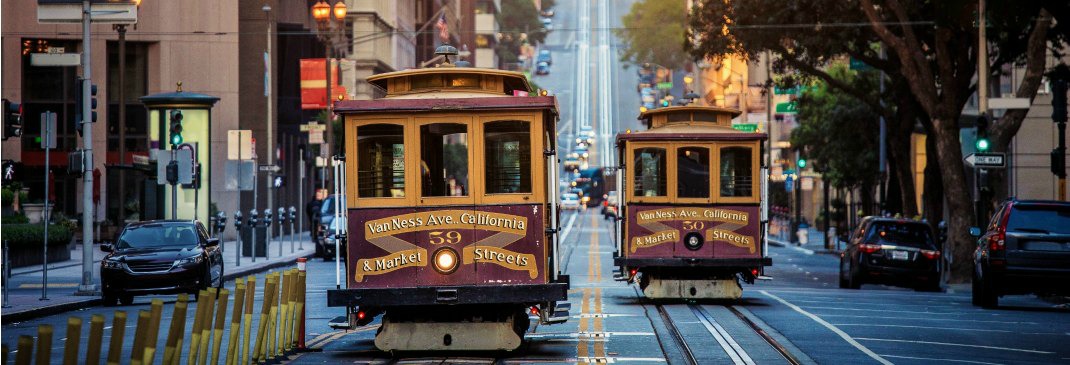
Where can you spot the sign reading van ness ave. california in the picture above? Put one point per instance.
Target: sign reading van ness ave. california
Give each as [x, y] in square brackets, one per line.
[659, 231]
[495, 245]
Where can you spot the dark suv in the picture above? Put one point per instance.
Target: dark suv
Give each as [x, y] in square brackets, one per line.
[160, 257]
[1024, 249]
[891, 251]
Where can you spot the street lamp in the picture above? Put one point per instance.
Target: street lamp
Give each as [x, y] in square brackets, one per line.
[325, 15]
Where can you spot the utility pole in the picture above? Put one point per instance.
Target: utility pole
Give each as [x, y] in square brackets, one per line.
[982, 109]
[271, 145]
[87, 286]
[882, 190]
[121, 28]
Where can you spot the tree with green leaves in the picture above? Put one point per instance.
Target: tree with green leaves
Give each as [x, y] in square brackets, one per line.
[519, 23]
[654, 31]
[829, 120]
[931, 54]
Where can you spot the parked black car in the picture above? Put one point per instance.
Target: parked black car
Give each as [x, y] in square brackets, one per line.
[325, 245]
[891, 251]
[1025, 249]
[160, 257]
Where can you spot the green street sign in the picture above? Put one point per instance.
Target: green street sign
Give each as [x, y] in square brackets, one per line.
[664, 85]
[784, 91]
[746, 127]
[787, 108]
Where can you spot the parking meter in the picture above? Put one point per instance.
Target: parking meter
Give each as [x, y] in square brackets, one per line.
[253, 214]
[237, 219]
[293, 214]
[220, 222]
[267, 218]
[282, 215]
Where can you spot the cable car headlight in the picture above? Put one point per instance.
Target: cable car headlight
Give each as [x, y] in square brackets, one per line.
[445, 260]
[693, 241]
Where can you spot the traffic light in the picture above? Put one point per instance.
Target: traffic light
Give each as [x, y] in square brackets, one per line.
[172, 172]
[1058, 101]
[176, 127]
[12, 119]
[801, 163]
[79, 100]
[982, 143]
[664, 103]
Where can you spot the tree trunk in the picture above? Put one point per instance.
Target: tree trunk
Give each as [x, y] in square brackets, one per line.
[958, 198]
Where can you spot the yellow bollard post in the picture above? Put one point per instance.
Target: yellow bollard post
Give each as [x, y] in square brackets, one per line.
[287, 300]
[198, 356]
[195, 333]
[220, 321]
[235, 321]
[293, 310]
[176, 331]
[25, 350]
[300, 330]
[74, 335]
[44, 344]
[273, 320]
[96, 332]
[152, 336]
[118, 330]
[250, 294]
[144, 317]
[281, 323]
[261, 330]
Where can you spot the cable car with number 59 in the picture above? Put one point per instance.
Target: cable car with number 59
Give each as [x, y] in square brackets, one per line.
[452, 215]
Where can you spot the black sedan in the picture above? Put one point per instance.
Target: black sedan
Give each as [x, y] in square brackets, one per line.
[891, 251]
[160, 257]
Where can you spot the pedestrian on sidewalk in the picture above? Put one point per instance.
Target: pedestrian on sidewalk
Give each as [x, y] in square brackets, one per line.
[312, 211]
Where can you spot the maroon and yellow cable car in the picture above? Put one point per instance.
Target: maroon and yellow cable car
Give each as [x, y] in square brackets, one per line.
[692, 202]
[451, 210]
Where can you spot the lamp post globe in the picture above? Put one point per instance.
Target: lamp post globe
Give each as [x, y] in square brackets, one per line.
[340, 11]
[321, 11]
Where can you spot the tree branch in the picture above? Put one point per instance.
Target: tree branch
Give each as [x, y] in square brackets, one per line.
[1036, 52]
[834, 82]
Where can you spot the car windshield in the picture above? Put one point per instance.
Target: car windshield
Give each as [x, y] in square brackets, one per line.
[901, 234]
[570, 197]
[1040, 219]
[153, 235]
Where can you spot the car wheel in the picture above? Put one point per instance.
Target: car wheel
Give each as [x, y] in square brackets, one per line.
[110, 299]
[843, 280]
[126, 299]
[983, 295]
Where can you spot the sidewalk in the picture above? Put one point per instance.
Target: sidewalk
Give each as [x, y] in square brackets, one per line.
[65, 277]
[815, 242]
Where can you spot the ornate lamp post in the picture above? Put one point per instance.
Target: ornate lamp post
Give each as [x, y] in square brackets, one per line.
[330, 21]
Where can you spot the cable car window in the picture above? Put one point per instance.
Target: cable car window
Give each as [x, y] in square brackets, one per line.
[508, 157]
[705, 117]
[444, 159]
[426, 81]
[693, 172]
[736, 174]
[381, 161]
[650, 172]
[679, 117]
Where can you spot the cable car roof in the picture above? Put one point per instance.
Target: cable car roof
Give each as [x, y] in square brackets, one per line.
[448, 78]
[689, 122]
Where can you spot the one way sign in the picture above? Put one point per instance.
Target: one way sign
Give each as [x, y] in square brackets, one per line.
[986, 160]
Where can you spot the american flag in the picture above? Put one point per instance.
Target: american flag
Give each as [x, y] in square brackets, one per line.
[443, 28]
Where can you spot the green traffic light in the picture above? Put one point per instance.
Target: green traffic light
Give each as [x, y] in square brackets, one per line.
[176, 139]
[801, 163]
[982, 144]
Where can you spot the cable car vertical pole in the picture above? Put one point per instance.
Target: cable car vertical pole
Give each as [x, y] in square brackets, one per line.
[618, 233]
[551, 184]
[337, 222]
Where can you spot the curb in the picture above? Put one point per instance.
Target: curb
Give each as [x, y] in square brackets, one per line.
[93, 301]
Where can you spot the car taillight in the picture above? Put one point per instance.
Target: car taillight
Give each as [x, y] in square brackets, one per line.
[996, 241]
[930, 254]
[869, 247]
[754, 272]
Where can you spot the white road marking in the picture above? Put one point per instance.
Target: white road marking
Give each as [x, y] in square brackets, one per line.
[928, 319]
[568, 226]
[920, 327]
[892, 311]
[958, 344]
[941, 360]
[832, 328]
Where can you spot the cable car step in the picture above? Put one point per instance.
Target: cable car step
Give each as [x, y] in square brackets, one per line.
[560, 314]
[340, 323]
